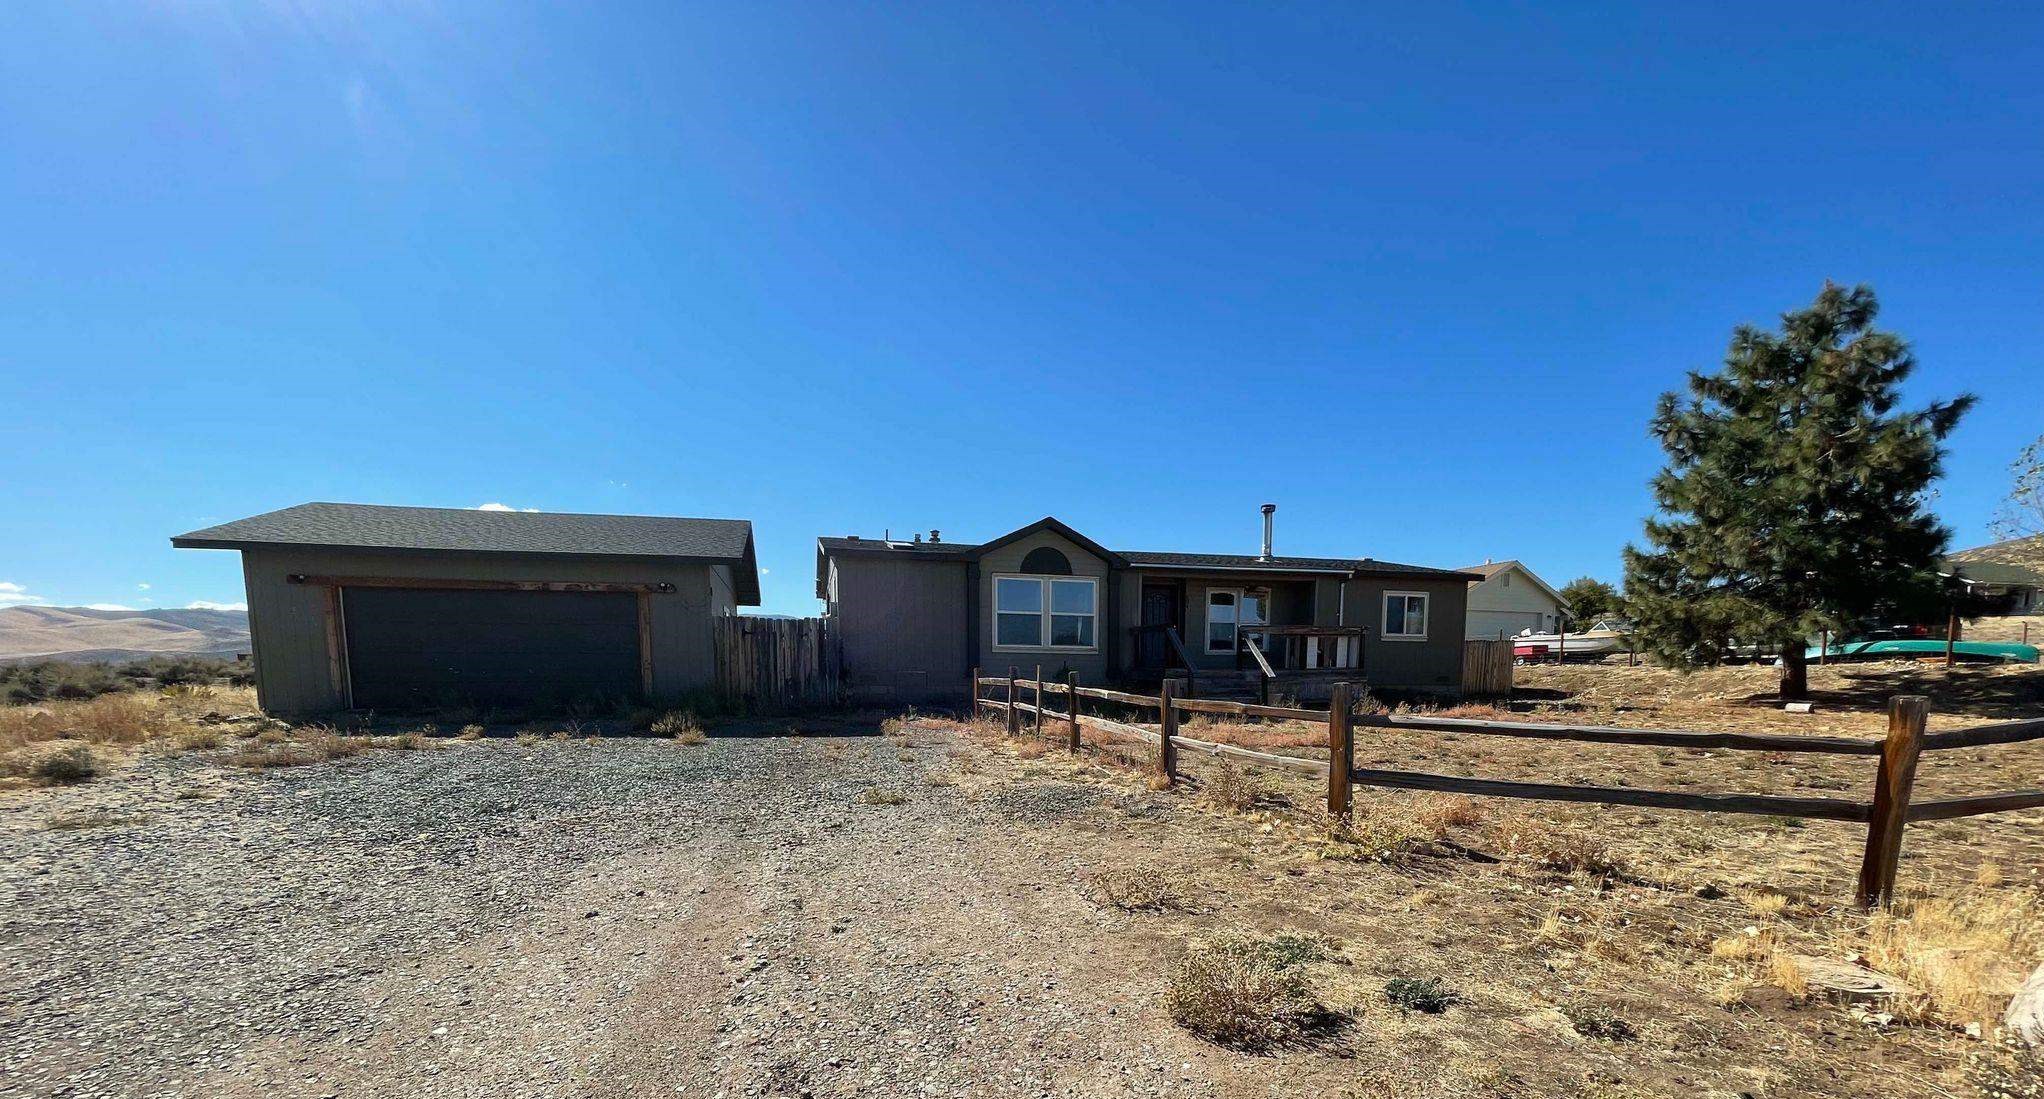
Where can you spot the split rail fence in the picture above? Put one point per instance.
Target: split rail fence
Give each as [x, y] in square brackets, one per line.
[1886, 815]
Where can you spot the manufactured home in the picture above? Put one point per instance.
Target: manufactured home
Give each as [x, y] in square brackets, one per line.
[914, 616]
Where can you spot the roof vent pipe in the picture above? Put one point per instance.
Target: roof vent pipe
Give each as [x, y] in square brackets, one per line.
[936, 535]
[1268, 511]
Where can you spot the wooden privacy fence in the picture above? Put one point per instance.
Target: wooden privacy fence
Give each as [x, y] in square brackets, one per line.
[1486, 668]
[1889, 812]
[777, 663]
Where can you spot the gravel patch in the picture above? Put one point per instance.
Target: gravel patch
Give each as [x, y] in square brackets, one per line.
[491, 918]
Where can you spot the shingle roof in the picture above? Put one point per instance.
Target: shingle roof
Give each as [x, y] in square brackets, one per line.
[1238, 561]
[938, 550]
[954, 551]
[1994, 572]
[464, 530]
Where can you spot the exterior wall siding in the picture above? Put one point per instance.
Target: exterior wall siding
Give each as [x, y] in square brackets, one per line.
[1495, 604]
[1091, 664]
[287, 622]
[902, 625]
[1434, 664]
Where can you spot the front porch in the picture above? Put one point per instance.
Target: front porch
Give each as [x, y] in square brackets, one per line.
[1253, 638]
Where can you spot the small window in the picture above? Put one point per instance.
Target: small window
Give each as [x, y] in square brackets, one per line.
[1047, 561]
[1405, 616]
[1222, 614]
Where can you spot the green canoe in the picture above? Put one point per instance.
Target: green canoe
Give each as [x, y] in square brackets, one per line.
[1963, 650]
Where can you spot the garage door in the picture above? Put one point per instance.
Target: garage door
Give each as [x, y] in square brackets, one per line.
[1486, 624]
[409, 647]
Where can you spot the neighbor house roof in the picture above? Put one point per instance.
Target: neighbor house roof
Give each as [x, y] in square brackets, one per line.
[467, 530]
[1993, 572]
[1491, 568]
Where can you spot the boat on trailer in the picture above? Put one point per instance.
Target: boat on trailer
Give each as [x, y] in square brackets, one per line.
[1604, 637]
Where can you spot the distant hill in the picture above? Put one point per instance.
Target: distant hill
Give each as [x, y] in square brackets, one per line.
[83, 634]
[2024, 553]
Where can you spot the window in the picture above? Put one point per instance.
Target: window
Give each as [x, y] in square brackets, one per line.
[1221, 616]
[1405, 616]
[1227, 611]
[1038, 612]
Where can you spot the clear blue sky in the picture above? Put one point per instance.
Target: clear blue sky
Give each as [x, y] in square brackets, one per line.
[1414, 272]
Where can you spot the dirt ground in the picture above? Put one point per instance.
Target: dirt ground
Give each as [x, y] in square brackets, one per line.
[814, 908]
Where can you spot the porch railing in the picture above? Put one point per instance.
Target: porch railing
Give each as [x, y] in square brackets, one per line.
[1304, 648]
[1158, 646]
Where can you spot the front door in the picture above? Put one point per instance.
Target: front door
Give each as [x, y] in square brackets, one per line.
[1160, 609]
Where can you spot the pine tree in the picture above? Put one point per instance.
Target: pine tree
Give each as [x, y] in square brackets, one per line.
[1794, 496]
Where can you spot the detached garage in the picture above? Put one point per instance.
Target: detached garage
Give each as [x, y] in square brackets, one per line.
[357, 606]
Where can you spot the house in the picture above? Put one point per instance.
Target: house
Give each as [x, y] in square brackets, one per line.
[914, 617]
[356, 606]
[1996, 588]
[1508, 599]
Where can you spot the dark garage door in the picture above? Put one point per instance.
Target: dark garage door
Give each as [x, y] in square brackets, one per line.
[410, 647]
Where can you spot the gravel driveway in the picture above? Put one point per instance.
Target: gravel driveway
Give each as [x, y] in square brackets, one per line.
[613, 917]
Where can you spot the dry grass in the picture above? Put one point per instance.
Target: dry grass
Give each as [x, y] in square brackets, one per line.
[526, 739]
[471, 732]
[1134, 887]
[52, 763]
[680, 725]
[1231, 789]
[1531, 838]
[874, 795]
[91, 818]
[126, 718]
[1966, 950]
[317, 744]
[1239, 992]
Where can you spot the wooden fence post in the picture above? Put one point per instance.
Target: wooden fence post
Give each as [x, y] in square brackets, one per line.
[1072, 710]
[1167, 745]
[1014, 715]
[1039, 702]
[1341, 760]
[1906, 717]
[972, 696]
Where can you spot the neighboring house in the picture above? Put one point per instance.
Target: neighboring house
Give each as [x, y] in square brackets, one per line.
[2000, 589]
[354, 606]
[1509, 599]
[915, 616]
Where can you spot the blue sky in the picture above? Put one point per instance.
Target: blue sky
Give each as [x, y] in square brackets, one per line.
[1413, 272]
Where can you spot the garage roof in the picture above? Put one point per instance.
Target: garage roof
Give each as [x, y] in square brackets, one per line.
[467, 530]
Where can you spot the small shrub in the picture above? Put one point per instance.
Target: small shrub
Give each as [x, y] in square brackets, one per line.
[63, 763]
[1569, 851]
[471, 732]
[199, 740]
[406, 742]
[1596, 1022]
[691, 737]
[1239, 996]
[678, 724]
[1231, 789]
[874, 795]
[526, 739]
[1136, 888]
[1423, 994]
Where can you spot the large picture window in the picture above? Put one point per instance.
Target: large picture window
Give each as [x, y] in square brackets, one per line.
[1405, 616]
[1045, 612]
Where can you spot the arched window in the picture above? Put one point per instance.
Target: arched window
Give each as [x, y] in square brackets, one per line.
[1045, 561]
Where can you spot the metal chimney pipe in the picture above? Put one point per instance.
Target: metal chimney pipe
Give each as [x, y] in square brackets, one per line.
[1268, 511]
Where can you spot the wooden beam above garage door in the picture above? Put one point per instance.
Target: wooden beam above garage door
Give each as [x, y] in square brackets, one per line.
[474, 585]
